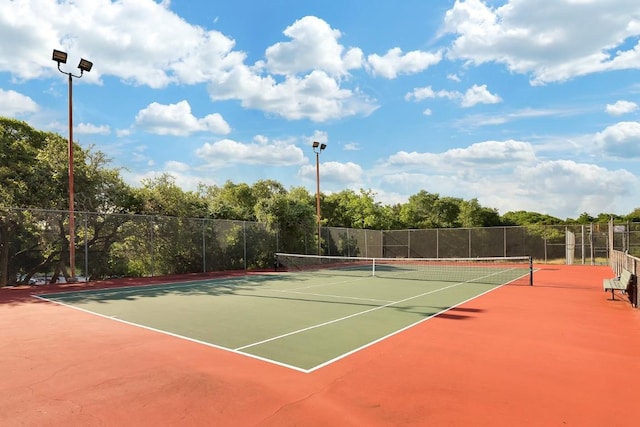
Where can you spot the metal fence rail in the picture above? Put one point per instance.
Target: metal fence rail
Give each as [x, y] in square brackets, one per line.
[34, 244]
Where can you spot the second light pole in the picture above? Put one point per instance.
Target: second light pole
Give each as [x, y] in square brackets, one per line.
[84, 65]
[318, 148]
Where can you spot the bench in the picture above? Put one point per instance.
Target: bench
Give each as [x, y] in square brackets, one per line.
[623, 284]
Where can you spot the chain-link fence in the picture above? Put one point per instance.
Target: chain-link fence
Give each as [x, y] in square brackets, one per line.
[571, 244]
[34, 244]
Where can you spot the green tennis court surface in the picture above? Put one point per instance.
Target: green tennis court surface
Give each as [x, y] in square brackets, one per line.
[300, 320]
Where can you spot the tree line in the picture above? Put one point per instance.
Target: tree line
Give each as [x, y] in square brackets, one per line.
[34, 175]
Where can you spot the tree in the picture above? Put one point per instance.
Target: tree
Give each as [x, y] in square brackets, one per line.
[34, 166]
[418, 211]
[585, 218]
[526, 218]
[19, 168]
[634, 215]
[472, 214]
[446, 212]
[390, 217]
[161, 196]
[352, 210]
[292, 215]
[232, 201]
[266, 188]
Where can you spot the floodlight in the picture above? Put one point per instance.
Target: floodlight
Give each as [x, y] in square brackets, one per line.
[85, 65]
[323, 146]
[59, 56]
[316, 144]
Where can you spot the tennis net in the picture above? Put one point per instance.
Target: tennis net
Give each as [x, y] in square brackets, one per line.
[488, 270]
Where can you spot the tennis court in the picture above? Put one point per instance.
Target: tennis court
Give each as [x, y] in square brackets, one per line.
[560, 352]
[318, 311]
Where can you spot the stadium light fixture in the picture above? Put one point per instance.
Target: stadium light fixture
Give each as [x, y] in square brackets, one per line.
[318, 148]
[59, 56]
[84, 65]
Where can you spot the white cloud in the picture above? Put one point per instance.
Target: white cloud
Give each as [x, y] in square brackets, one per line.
[481, 155]
[143, 42]
[566, 188]
[479, 95]
[115, 36]
[394, 62]
[313, 46]
[550, 39]
[473, 96]
[320, 136]
[313, 64]
[525, 113]
[228, 152]
[173, 165]
[621, 107]
[89, 129]
[343, 174]
[14, 103]
[621, 140]
[177, 120]
[316, 96]
[422, 93]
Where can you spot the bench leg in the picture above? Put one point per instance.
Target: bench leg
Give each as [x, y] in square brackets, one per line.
[613, 296]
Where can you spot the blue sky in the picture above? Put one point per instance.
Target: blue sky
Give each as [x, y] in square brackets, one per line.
[523, 104]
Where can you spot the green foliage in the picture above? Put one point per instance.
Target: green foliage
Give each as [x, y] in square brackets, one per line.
[162, 196]
[20, 170]
[526, 218]
[171, 232]
[634, 215]
[352, 210]
[291, 214]
[473, 215]
[231, 201]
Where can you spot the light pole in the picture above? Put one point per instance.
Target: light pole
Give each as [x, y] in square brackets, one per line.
[317, 148]
[84, 65]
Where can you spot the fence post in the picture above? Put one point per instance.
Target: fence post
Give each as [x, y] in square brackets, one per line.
[504, 241]
[408, 243]
[86, 249]
[204, 246]
[244, 238]
[153, 251]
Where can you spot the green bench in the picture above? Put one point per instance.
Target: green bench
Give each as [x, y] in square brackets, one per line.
[623, 284]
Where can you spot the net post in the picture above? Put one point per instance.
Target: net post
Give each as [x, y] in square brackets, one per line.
[530, 271]
[373, 267]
